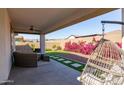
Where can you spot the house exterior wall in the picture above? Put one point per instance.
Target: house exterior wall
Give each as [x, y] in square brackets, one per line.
[122, 10]
[5, 45]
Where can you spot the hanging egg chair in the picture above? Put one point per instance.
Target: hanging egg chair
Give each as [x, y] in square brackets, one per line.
[105, 65]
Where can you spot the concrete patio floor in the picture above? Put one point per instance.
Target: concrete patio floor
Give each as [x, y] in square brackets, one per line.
[47, 73]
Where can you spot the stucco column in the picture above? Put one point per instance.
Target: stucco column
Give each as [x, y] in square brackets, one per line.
[122, 28]
[42, 43]
[13, 45]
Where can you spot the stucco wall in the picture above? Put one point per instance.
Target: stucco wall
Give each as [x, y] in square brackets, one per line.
[5, 46]
[49, 44]
[122, 28]
[114, 36]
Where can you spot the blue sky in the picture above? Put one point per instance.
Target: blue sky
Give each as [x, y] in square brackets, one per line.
[91, 26]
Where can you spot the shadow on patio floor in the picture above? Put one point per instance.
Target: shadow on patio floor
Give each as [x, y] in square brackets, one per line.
[47, 73]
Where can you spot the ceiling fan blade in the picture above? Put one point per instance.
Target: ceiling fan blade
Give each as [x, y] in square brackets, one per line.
[33, 29]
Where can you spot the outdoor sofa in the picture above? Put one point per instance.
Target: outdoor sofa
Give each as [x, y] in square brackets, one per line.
[25, 59]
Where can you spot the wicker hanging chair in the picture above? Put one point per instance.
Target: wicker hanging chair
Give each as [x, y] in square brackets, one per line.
[105, 65]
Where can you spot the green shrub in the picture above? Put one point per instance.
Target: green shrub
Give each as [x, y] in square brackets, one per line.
[58, 48]
[33, 46]
[48, 49]
[54, 46]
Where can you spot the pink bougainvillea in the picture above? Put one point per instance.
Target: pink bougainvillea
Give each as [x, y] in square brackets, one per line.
[84, 47]
[80, 47]
[119, 44]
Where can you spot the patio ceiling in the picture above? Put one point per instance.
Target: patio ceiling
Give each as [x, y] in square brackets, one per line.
[47, 20]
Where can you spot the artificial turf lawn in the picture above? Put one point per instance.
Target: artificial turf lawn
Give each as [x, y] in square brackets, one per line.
[54, 54]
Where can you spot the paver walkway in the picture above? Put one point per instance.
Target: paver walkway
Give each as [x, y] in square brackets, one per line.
[80, 58]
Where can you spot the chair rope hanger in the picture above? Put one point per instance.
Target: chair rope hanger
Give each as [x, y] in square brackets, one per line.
[105, 65]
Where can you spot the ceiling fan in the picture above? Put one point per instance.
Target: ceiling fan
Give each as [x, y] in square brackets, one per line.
[30, 29]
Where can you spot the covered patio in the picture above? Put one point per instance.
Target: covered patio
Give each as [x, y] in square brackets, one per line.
[43, 21]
